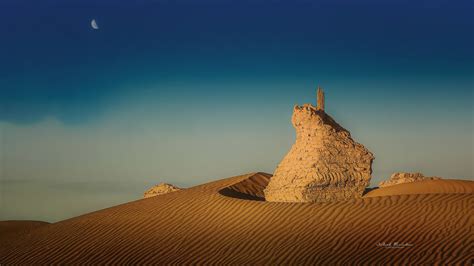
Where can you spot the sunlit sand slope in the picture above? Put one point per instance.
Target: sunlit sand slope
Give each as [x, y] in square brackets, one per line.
[213, 223]
[425, 187]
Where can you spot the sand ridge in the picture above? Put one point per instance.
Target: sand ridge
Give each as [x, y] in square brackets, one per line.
[204, 225]
[442, 186]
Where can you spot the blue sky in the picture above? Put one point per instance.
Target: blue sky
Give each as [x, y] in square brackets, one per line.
[190, 91]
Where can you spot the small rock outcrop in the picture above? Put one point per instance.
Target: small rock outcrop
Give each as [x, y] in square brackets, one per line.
[400, 178]
[160, 189]
[325, 163]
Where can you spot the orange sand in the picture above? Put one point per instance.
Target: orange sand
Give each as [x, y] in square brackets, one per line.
[226, 222]
[425, 187]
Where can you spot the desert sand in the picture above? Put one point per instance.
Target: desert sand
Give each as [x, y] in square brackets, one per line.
[18, 227]
[227, 221]
[441, 186]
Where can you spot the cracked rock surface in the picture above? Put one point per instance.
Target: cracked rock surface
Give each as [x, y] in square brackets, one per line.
[160, 189]
[400, 178]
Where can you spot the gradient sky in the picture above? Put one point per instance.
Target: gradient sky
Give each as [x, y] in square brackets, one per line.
[191, 91]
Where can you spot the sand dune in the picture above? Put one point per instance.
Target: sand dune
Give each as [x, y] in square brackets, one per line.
[16, 228]
[425, 187]
[249, 188]
[218, 223]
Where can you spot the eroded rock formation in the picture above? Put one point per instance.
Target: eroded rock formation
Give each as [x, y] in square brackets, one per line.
[320, 99]
[400, 178]
[160, 189]
[325, 163]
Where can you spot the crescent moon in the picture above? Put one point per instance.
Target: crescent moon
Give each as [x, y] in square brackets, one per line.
[94, 25]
